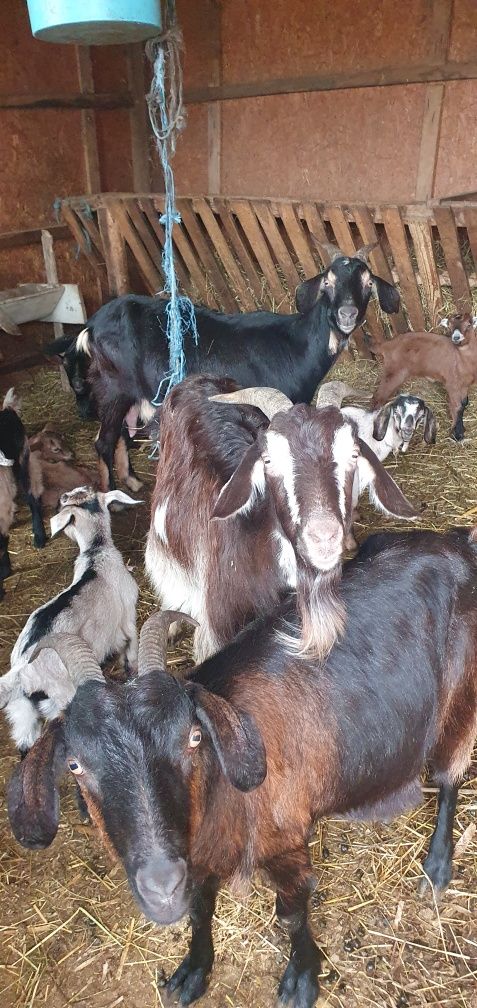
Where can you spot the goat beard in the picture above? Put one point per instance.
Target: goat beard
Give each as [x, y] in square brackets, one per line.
[321, 613]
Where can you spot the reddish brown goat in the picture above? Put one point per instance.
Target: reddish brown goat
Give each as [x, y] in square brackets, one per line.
[53, 469]
[453, 362]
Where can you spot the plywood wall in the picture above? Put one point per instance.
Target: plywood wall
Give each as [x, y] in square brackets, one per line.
[398, 143]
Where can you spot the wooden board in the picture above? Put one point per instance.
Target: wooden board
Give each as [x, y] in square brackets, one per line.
[249, 223]
[316, 227]
[396, 236]
[470, 219]
[450, 246]
[218, 240]
[231, 230]
[205, 255]
[149, 270]
[88, 122]
[422, 240]
[114, 253]
[152, 216]
[270, 229]
[187, 252]
[297, 237]
[378, 261]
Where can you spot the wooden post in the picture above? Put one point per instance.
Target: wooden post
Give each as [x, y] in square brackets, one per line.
[88, 122]
[138, 119]
[435, 93]
[52, 277]
[114, 253]
[214, 110]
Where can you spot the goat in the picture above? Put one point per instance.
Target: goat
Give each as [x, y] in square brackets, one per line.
[453, 362]
[53, 468]
[237, 497]
[99, 606]
[14, 472]
[234, 764]
[385, 430]
[129, 356]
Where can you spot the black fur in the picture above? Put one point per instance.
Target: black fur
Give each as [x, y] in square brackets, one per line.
[44, 617]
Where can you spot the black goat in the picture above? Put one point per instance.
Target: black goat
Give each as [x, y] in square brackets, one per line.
[14, 472]
[234, 764]
[126, 341]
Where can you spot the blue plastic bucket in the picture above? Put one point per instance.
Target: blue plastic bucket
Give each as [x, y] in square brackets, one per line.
[94, 22]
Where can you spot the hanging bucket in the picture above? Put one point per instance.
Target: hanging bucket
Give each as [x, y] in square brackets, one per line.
[94, 22]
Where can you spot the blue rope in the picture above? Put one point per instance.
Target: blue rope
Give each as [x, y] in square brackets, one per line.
[167, 118]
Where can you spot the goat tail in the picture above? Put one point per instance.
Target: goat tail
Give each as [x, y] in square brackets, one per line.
[83, 342]
[12, 401]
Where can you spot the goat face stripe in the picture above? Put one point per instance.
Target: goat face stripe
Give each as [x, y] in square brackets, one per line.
[343, 445]
[281, 464]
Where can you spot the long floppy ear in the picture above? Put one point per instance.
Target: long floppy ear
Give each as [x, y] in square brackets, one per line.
[308, 292]
[59, 521]
[383, 491]
[32, 793]
[388, 295]
[235, 738]
[120, 497]
[430, 426]
[381, 422]
[241, 490]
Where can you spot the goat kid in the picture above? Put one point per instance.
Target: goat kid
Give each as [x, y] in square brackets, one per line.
[250, 508]
[53, 468]
[236, 763]
[453, 362]
[14, 473]
[126, 347]
[385, 430]
[99, 606]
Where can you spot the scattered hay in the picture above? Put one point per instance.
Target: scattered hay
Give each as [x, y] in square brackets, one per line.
[70, 933]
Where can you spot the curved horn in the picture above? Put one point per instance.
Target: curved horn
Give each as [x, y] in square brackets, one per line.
[364, 251]
[75, 653]
[153, 639]
[332, 251]
[269, 400]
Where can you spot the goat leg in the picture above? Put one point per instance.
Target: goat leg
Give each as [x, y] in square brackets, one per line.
[108, 437]
[457, 414]
[190, 980]
[299, 984]
[5, 564]
[438, 863]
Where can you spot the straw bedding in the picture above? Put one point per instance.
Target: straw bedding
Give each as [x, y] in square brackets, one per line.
[70, 933]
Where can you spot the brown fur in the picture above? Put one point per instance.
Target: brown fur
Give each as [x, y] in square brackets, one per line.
[53, 469]
[430, 355]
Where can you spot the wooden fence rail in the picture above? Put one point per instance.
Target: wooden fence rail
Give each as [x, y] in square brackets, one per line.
[251, 253]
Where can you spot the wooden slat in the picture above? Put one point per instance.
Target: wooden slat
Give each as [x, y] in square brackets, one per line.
[187, 252]
[89, 225]
[114, 253]
[235, 239]
[153, 218]
[379, 263]
[314, 222]
[74, 225]
[138, 117]
[32, 236]
[422, 240]
[344, 239]
[71, 101]
[470, 218]
[450, 245]
[396, 236]
[224, 253]
[205, 255]
[88, 122]
[148, 269]
[145, 234]
[431, 126]
[51, 272]
[298, 238]
[270, 228]
[243, 210]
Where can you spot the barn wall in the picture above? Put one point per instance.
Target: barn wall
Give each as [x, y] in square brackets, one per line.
[42, 151]
[367, 143]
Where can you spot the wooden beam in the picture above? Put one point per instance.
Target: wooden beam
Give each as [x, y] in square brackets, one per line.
[88, 122]
[17, 239]
[431, 127]
[422, 73]
[114, 253]
[213, 15]
[52, 277]
[138, 118]
[72, 101]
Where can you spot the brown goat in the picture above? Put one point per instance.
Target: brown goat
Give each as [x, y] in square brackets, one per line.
[53, 469]
[453, 362]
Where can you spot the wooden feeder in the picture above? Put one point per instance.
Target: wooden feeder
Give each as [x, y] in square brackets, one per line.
[94, 22]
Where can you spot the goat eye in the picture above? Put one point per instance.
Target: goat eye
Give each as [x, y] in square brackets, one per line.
[195, 738]
[75, 767]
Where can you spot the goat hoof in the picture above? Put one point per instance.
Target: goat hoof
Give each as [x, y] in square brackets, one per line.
[188, 983]
[438, 874]
[298, 990]
[457, 433]
[40, 541]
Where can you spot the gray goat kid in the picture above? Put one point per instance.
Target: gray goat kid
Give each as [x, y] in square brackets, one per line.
[99, 606]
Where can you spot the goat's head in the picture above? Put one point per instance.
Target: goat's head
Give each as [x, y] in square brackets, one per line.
[345, 286]
[83, 515]
[405, 413]
[145, 755]
[51, 445]
[460, 328]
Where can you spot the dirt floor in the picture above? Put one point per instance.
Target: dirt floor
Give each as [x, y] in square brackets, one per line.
[70, 933]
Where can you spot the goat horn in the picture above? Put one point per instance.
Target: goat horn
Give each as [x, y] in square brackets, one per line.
[332, 393]
[76, 655]
[332, 251]
[364, 251]
[153, 639]
[269, 400]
